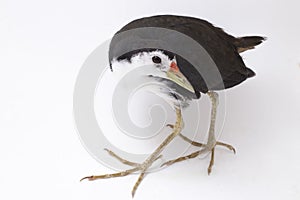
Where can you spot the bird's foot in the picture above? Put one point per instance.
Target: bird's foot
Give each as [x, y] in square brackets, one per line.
[142, 167]
[124, 161]
[197, 153]
[212, 155]
[105, 176]
[205, 148]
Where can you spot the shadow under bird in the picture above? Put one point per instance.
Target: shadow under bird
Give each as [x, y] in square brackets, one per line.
[182, 75]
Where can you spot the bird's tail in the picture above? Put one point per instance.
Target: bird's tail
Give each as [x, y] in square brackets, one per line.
[248, 42]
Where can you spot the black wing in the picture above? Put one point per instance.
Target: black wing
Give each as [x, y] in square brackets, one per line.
[223, 48]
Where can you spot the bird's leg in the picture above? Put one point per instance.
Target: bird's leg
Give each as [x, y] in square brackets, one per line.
[148, 162]
[211, 142]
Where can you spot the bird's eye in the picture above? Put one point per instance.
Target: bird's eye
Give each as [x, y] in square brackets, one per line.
[156, 59]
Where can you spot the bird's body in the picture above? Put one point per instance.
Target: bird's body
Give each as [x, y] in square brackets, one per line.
[181, 75]
[223, 48]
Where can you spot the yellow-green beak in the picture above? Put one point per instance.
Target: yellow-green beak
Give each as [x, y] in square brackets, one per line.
[177, 77]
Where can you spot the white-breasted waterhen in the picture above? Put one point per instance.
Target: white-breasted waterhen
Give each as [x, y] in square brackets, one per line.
[190, 56]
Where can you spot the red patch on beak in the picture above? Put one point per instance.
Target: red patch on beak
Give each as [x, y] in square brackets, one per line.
[174, 67]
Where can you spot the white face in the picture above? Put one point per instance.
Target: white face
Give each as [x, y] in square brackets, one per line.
[161, 64]
[157, 59]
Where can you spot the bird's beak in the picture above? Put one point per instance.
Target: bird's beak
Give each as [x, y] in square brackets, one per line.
[176, 76]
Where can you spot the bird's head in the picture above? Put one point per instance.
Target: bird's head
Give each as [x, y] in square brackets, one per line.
[163, 65]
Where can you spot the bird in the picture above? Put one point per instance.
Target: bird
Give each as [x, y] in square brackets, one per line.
[145, 41]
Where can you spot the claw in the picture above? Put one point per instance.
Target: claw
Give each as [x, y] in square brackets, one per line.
[170, 125]
[90, 178]
[233, 149]
[107, 150]
[208, 171]
[228, 146]
[165, 164]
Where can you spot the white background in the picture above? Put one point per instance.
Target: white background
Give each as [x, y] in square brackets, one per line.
[42, 47]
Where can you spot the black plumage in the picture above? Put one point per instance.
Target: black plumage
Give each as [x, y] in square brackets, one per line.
[223, 48]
